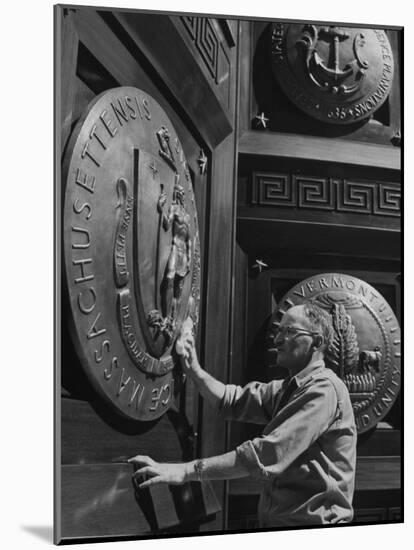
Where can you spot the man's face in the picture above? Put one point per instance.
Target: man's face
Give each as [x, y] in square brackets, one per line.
[294, 341]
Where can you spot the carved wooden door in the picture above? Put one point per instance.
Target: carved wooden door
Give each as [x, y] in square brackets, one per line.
[315, 198]
[97, 51]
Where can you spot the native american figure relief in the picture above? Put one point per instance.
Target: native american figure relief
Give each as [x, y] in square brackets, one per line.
[179, 260]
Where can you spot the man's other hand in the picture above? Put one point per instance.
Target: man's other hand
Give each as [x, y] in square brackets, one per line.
[158, 472]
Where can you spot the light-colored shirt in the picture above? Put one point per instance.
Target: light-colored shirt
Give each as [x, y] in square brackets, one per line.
[306, 455]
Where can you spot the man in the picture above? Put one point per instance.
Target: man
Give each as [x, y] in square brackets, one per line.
[305, 457]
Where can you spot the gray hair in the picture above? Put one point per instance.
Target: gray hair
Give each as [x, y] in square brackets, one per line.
[320, 322]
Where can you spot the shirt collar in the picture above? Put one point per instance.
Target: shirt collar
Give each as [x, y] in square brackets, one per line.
[305, 374]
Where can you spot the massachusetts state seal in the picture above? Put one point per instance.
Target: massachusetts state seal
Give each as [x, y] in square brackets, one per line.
[339, 75]
[366, 349]
[132, 251]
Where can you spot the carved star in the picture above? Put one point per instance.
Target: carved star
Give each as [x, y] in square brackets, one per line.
[260, 265]
[202, 162]
[261, 120]
[153, 168]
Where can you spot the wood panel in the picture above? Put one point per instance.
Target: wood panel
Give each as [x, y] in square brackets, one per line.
[110, 53]
[83, 96]
[95, 441]
[375, 508]
[209, 42]
[92, 433]
[230, 29]
[245, 77]
[395, 94]
[319, 149]
[370, 515]
[218, 289]
[99, 500]
[290, 231]
[239, 351]
[285, 116]
[289, 236]
[181, 75]
[259, 310]
[313, 215]
[385, 442]
[394, 514]
[66, 56]
[378, 473]
[217, 295]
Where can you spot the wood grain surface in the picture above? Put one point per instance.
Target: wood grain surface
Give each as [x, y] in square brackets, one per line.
[319, 148]
[93, 435]
[99, 500]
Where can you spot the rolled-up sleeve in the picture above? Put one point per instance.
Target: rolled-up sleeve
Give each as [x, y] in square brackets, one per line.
[252, 403]
[307, 416]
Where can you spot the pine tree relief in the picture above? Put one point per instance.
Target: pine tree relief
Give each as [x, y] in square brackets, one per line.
[343, 353]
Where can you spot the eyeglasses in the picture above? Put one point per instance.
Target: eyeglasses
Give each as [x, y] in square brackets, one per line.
[292, 332]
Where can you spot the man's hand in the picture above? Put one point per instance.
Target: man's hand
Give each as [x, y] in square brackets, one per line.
[185, 347]
[210, 388]
[189, 359]
[158, 472]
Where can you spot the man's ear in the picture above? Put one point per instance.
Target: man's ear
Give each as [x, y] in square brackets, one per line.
[317, 341]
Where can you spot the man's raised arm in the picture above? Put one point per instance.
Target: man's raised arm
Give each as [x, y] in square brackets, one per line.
[251, 403]
[211, 389]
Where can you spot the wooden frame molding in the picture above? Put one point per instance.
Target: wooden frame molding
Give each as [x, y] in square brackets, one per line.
[319, 149]
[194, 95]
[377, 198]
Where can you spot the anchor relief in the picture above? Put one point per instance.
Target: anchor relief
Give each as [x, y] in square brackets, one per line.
[332, 79]
[336, 74]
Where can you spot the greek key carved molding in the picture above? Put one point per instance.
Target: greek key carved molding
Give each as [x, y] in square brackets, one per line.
[206, 41]
[191, 24]
[356, 197]
[389, 200]
[314, 192]
[332, 194]
[273, 190]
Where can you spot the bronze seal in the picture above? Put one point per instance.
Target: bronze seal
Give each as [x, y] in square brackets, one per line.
[366, 349]
[336, 74]
[131, 245]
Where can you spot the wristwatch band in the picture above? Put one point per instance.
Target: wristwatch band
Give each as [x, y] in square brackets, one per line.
[198, 469]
